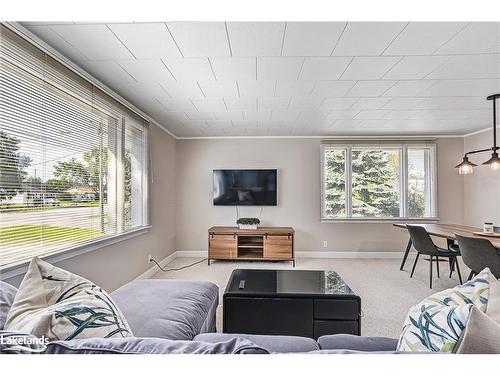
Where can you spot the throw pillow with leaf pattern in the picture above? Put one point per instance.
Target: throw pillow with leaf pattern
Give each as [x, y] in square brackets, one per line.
[436, 323]
[59, 305]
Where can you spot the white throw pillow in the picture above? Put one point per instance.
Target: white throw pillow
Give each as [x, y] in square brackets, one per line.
[436, 324]
[59, 305]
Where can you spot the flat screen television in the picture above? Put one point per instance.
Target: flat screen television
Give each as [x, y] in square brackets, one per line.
[245, 187]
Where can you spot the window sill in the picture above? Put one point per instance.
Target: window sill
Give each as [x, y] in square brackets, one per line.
[18, 268]
[380, 220]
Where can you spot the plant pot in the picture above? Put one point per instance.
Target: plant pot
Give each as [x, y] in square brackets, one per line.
[247, 226]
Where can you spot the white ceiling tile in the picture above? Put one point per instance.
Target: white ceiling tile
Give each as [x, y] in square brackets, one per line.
[305, 102]
[371, 114]
[174, 116]
[294, 88]
[200, 39]
[415, 67]
[256, 38]
[423, 38]
[323, 68]
[370, 103]
[311, 38]
[209, 104]
[219, 88]
[240, 103]
[97, 42]
[469, 66]
[369, 67]
[257, 115]
[182, 90]
[146, 40]
[229, 115]
[190, 69]
[477, 37]
[56, 41]
[479, 87]
[273, 103]
[109, 72]
[278, 68]
[193, 115]
[175, 104]
[288, 115]
[256, 88]
[341, 115]
[235, 68]
[367, 38]
[147, 71]
[280, 131]
[370, 88]
[438, 103]
[409, 88]
[332, 88]
[245, 124]
[220, 123]
[270, 124]
[338, 103]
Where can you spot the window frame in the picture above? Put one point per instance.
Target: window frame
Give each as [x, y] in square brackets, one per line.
[431, 169]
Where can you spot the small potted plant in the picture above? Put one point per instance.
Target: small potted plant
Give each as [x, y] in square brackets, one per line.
[248, 222]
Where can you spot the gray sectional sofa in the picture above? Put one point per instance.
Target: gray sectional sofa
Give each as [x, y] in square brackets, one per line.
[178, 316]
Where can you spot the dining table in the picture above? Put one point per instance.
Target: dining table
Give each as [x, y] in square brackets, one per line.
[448, 231]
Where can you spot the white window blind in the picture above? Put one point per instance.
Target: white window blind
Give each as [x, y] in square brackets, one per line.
[73, 162]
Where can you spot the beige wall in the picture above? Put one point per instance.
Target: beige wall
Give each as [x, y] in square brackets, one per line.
[298, 161]
[115, 265]
[482, 188]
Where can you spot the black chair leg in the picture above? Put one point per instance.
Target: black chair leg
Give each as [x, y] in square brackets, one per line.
[455, 262]
[437, 265]
[452, 265]
[471, 274]
[430, 271]
[414, 264]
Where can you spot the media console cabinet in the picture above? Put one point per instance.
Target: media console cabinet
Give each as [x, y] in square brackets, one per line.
[263, 243]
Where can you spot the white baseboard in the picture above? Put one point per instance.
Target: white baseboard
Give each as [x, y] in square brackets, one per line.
[154, 269]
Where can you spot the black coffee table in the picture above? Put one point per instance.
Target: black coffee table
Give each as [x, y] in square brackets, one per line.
[290, 302]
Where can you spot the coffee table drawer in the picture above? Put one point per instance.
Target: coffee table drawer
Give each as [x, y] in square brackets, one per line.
[333, 327]
[340, 309]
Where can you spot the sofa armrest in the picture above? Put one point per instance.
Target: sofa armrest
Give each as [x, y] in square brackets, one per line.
[357, 343]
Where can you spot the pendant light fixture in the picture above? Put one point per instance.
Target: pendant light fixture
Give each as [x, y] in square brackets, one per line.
[466, 166]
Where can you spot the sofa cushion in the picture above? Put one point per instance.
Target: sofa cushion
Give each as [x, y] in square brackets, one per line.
[481, 335]
[7, 294]
[149, 345]
[58, 305]
[171, 309]
[436, 323]
[357, 343]
[274, 344]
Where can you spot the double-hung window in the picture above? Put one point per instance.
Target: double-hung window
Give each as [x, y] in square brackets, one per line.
[73, 161]
[377, 181]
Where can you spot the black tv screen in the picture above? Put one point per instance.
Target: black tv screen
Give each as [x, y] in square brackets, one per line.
[245, 187]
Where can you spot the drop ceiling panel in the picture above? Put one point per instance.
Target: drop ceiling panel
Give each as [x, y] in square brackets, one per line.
[279, 68]
[183, 89]
[257, 115]
[209, 104]
[234, 68]
[109, 72]
[415, 67]
[338, 103]
[423, 38]
[367, 38]
[200, 39]
[253, 89]
[229, 115]
[146, 40]
[477, 37]
[311, 38]
[370, 103]
[323, 68]
[483, 87]
[218, 89]
[256, 38]
[46, 33]
[187, 69]
[147, 71]
[294, 88]
[370, 88]
[469, 66]
[369, 67]
[332, 88]
[97, 42]
[240, 103]
[408, 88]
[273, 103]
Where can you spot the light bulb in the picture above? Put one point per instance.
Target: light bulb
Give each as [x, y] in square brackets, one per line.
[465, 169]
[495, 165]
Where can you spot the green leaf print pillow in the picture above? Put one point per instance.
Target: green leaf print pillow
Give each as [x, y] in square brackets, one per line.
[436, 323]
[59, 305]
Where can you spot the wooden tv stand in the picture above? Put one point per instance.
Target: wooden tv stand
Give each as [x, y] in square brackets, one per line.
[263, 243]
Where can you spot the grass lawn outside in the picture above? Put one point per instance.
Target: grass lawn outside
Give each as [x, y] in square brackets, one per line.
[62, 204]
[19, 234]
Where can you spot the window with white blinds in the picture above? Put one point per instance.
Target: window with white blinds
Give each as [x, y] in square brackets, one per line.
[73, 162]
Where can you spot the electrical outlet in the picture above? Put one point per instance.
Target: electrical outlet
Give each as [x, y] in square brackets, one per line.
[149, 258]
[325, 243]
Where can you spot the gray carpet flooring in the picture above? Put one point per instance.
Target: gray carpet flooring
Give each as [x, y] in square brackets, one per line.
[386, 292]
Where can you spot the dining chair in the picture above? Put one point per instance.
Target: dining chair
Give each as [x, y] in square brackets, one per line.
[422, 242]
[479, 253]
